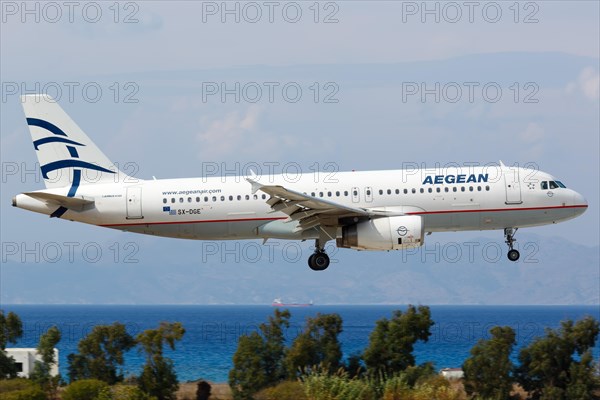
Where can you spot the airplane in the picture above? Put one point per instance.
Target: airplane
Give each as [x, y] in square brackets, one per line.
[371, 210]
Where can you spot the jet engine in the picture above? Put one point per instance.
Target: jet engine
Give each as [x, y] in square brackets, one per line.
[386, 233]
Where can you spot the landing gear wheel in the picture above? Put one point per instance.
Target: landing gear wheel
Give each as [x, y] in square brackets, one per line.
[513, 255]
[509, 234]
[319, 261]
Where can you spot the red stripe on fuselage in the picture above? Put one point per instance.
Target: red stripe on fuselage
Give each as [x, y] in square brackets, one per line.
[410, 213]
[198, 222]
[494, 210]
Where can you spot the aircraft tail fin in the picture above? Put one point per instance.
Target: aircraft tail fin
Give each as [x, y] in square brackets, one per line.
[66, 154]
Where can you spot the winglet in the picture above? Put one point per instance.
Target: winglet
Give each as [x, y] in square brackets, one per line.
[255, 185]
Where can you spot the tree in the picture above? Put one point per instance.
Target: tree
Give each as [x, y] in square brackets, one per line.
[203, 390]
[100, 352]
[559, 365]
[317, 345]
[391, 343]
[41, 370]
[11, 329]
[158, 377]
[259, 359]
[488, 369]
[274, 350]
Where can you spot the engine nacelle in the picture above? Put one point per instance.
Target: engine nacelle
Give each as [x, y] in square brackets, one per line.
[388, 233]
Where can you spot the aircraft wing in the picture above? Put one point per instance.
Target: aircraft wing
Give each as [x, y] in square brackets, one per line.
[72, 203]
[311, 211]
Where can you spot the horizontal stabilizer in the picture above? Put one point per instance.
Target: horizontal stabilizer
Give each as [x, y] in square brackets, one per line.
[72, 203]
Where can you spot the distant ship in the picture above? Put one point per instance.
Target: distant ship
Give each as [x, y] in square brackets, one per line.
[278, 303]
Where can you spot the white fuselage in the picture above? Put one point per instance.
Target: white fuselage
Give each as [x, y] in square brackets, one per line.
[225, 208]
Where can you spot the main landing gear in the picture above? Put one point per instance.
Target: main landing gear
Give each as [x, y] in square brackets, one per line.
[319, 260]
[509, 234]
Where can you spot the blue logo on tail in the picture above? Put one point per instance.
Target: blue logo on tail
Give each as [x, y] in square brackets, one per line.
[61, 137]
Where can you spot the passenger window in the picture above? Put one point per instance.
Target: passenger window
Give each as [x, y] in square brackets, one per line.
[264, 196]
[197, 199]
[239, 197]
[414, 191]
[214, 198]
[454, 189]
[337, 194]
[380, 191]
[230, 198]
[479, 188]
[487, 188]
[446, 189]
[312, 194]
[368, 192]
[438, 190]
[553, 185]
[206, 199]
[355, 193]
[189, 199]
[389, 191]
[222, 198]
[405, 191]
[165, 201]
[544, 185]
[430, 190]
[328, 194]
[422, 190]
[345, 193]
[320, 194]
[462, 188]
[181, 199]
[470, 188]
[247, 197]
[255, 197]
[397, 191]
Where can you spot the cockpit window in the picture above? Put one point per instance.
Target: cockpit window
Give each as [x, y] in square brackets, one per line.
[545, 185]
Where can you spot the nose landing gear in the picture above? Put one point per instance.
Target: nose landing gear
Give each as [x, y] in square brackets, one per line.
[509, 234]
[319, 260]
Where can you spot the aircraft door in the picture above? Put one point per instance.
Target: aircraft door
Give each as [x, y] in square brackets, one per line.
[134, 203]
[368, 194]
[355, 195]
[513, 186]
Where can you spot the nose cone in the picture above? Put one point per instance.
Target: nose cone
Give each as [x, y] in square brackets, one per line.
[580, 204]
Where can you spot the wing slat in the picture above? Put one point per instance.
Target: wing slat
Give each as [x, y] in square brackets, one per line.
[308, 211]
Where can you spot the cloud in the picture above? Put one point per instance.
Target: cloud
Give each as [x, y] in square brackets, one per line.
[113, 22]
[533, 133]
[231, 133]
[533, 136]
[588, 83]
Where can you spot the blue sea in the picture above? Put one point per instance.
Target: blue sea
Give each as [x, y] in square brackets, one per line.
[212, 332]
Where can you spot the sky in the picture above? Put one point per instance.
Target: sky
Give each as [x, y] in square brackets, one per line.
[180, 89]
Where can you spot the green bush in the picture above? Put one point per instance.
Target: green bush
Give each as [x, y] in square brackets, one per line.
[21, 389]
[34, 393]
[322, 386]
[84, 389]
[10, 385]
[122, 392]
[288, 390]
[434, 388]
